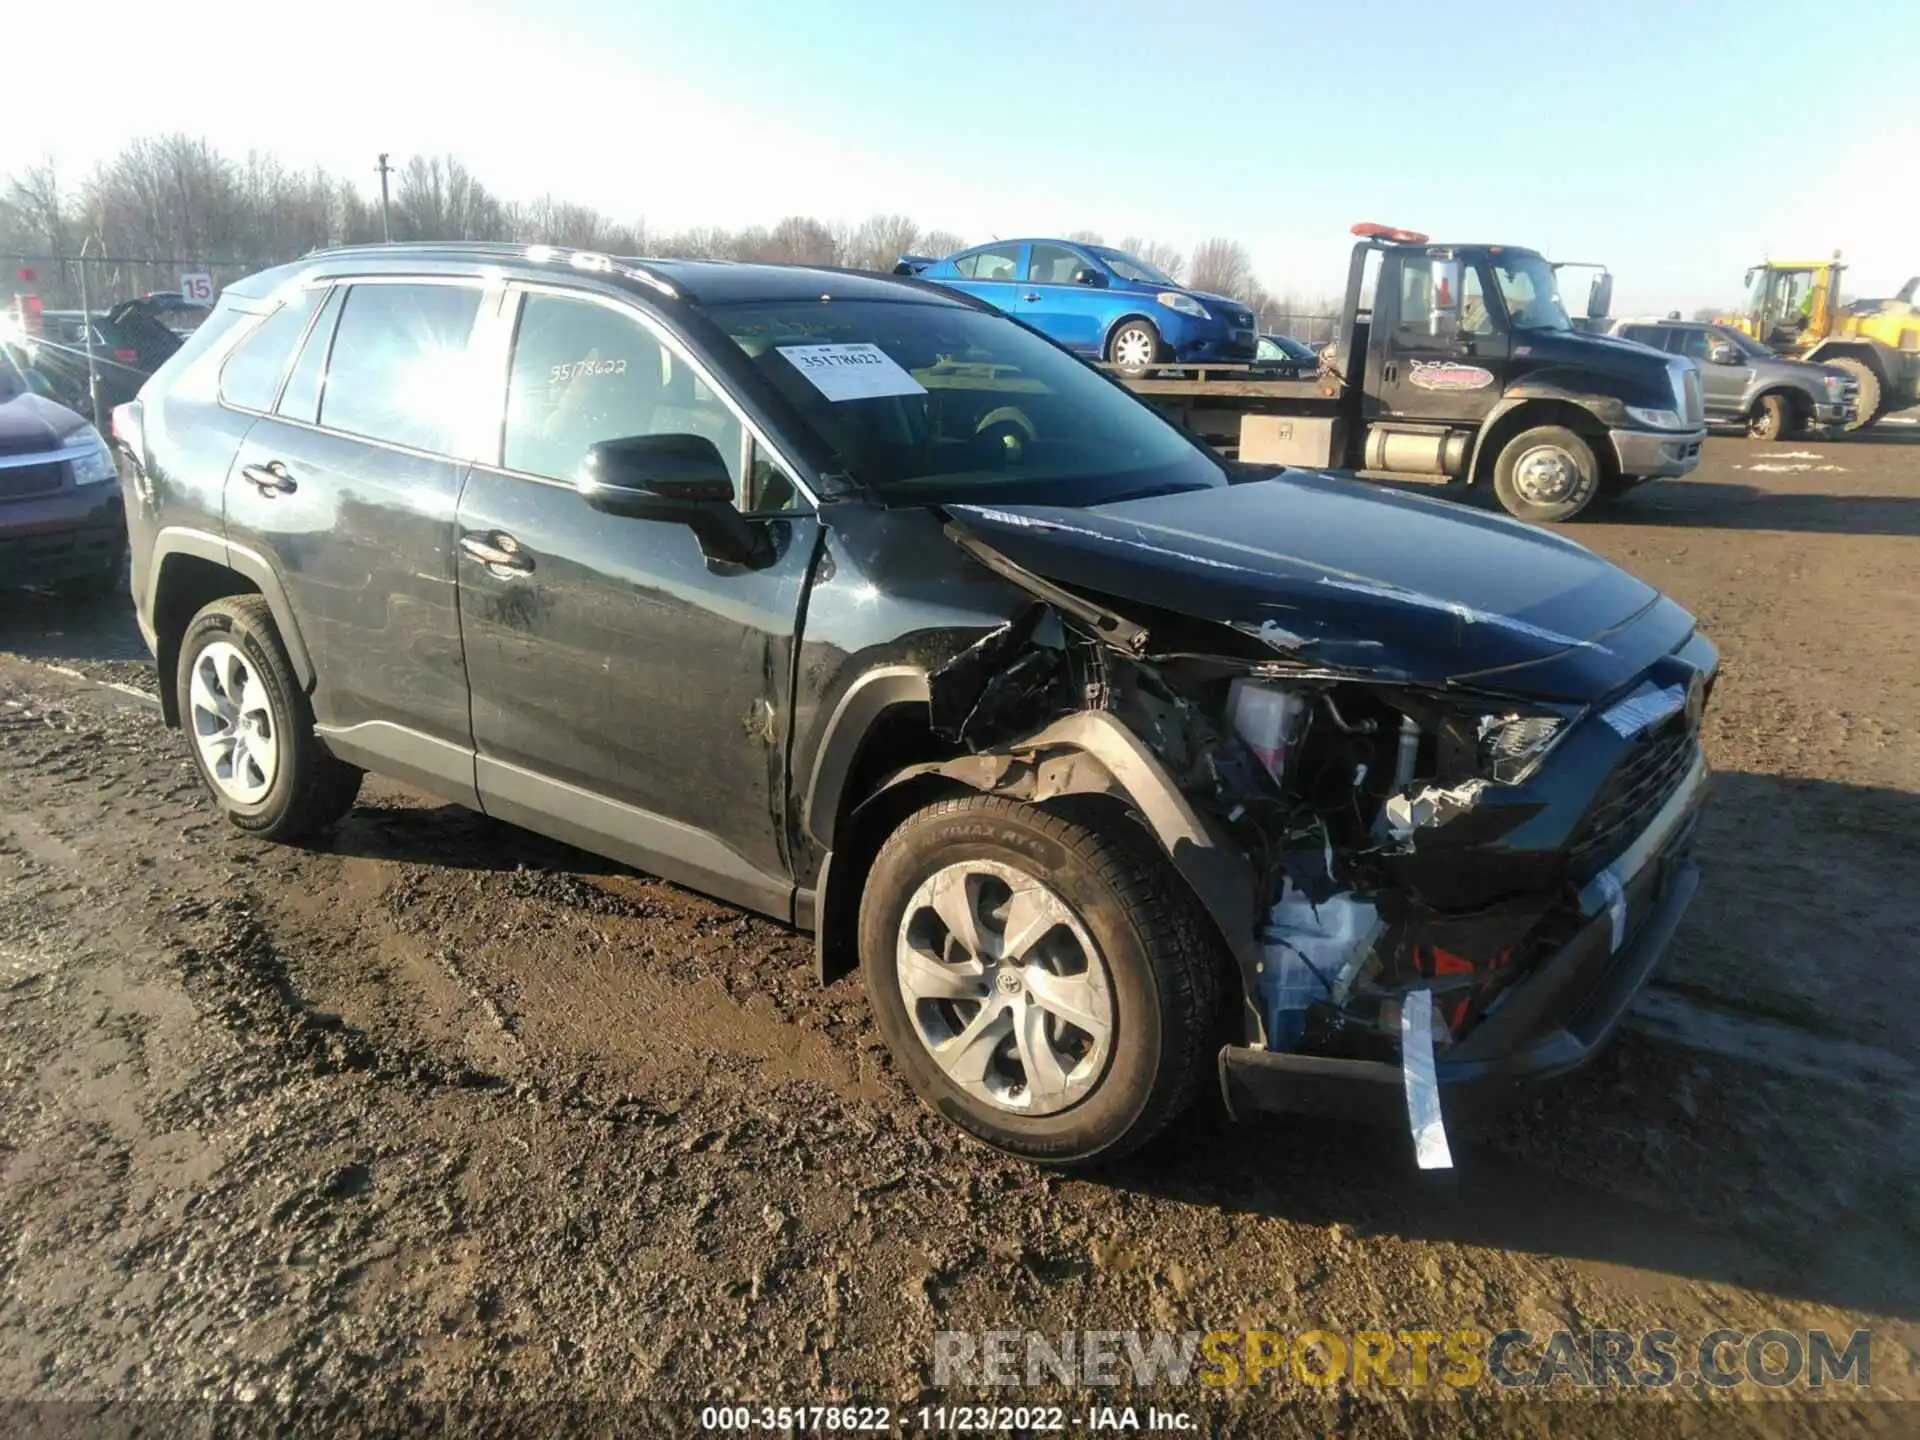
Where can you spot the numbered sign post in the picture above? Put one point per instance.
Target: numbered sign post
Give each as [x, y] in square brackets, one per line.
[196, 288]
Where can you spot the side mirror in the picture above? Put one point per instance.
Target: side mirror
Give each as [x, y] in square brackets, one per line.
[1600, 296]
[676, 478]
[1087, 275]
[1721, 353]
[1443, 320]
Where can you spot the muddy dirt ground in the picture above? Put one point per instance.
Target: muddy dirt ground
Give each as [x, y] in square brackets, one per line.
[441, 1115]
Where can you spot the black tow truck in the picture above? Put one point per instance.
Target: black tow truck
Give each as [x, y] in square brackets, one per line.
[1458, 363]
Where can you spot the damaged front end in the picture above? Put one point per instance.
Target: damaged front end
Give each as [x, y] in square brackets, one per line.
[1425, 885]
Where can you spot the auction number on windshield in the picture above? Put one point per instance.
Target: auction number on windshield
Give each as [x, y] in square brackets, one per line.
[573, 368]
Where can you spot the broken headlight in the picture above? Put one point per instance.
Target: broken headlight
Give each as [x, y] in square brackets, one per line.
[1512, 746]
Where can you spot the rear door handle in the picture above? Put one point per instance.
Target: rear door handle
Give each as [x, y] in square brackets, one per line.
[269, 479]
[498, 551]
[1033, 295]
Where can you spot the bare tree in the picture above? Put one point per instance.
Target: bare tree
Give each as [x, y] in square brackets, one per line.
[37, 208]
[169, 199]
[802, 240]
[1086, 237]
[880, 241]
[440, 199]
[1221, 267]
[941, 243]
[1164, 258]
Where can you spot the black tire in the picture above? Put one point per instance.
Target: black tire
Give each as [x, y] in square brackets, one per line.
[1772, 418]
[1867, 403]
[310, 788]
[1163, 966]
[1554, 440]
[1133, 336]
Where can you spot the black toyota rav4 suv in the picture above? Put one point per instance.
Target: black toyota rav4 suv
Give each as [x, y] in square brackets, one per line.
[1116, 767]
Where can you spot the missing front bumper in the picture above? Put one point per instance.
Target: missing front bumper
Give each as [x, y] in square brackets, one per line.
[1554, 1021]
[1570, 1008]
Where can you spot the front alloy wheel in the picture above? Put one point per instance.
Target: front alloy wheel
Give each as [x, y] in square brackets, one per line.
[1044, 980]
[1004, 987]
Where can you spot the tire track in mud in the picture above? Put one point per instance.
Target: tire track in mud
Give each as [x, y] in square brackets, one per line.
[373, 1209]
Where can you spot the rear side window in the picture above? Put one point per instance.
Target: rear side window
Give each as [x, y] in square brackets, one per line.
[995, 264]
[301, 398]
[251, 377]
[398, 370]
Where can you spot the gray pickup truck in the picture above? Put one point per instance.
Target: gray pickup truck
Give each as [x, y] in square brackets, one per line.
[1744, 383]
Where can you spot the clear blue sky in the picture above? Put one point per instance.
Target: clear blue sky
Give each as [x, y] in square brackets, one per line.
[1677, 141]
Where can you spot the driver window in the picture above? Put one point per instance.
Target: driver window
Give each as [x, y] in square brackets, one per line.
[994, 264]
[1474, 319]
[1693, 344]
[1053, 265]
[1416, 299]
[584, 372]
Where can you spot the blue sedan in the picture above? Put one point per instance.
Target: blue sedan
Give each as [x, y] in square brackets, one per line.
[1099, 302]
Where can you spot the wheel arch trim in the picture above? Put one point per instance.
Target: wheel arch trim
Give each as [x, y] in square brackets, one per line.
[175, 540]
[1093, 753]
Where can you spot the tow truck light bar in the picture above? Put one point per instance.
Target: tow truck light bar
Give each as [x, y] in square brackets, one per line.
[1368, 230]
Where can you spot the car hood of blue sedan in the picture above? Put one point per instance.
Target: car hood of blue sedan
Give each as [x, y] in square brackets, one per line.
[1341, 575]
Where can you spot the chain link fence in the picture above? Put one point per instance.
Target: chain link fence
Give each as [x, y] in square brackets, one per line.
[1317, 328]
[108, 279]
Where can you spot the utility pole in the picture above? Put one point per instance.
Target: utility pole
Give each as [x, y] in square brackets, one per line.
[86, 329]
[386, 221]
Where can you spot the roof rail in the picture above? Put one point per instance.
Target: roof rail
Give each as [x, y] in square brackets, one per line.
[538, 254]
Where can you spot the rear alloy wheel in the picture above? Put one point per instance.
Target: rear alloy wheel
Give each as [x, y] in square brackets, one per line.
[250, 727]
[1772, 417]
[232, 722]
[1546, 473]
[1134, 348]
[1049, 987]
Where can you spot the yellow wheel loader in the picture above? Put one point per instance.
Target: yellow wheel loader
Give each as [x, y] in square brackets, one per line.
[1793, 307]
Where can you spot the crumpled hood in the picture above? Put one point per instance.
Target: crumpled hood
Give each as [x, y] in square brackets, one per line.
[1352, 576]
[30, 423]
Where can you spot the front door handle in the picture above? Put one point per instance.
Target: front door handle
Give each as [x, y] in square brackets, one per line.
[269, 479]
[498, 551]
[1033, 295]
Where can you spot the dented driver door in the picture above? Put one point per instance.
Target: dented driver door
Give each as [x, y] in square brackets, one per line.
[628, 696]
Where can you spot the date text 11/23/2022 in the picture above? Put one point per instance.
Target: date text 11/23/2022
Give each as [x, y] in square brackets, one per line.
[943, 1419]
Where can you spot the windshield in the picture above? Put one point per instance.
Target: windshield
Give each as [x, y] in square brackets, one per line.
[1531, 291]
[1131, 267]
[929, 403]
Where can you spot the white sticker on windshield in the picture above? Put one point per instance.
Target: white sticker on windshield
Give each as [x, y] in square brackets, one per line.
[851, 372]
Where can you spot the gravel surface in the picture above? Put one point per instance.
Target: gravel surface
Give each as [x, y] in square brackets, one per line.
[441, 1120]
